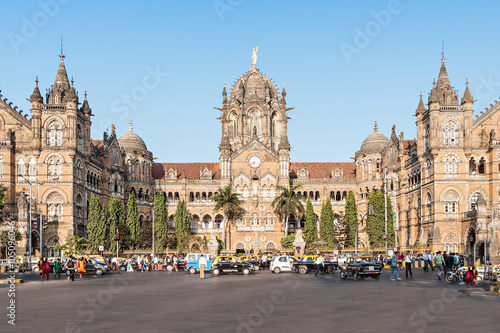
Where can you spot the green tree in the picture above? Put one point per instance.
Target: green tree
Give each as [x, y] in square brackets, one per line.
[288, 203]
[375, 221]
[230, 204]
[146, 235]
[287, 241]
[161, 222]
[116, 222]
[73, 245]
[311, 229]
[96, 227]
[5, 238]
[350, 220]
[182, 218]
[133, 221]
[326, 227]
[3, 197]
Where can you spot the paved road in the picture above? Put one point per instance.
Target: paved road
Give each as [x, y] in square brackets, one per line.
[260, 302]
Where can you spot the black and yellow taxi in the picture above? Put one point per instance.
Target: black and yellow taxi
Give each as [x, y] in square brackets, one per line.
[359, 267]
[230, 264]
[307, 264]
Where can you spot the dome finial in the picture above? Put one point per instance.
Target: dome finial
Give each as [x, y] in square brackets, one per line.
[254, 56]
[130, 125]
[375, 127]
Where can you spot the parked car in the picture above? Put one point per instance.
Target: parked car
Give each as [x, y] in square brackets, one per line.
[282, 264]
[230, 264]
[360, 267]
[307, 264]
[192, 261]
[255, 261]
[96, 267]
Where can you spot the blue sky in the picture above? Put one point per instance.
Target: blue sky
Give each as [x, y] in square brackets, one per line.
[344, 63]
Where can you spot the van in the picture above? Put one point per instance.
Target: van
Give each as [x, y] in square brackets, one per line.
[192, 261]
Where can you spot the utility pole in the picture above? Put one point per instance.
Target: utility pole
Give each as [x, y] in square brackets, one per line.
[29, 217]
[385, 209]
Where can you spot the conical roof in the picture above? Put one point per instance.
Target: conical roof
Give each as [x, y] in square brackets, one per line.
[36, 96]
[443, 80]
[131, 141]
[61, 80]
[467, 95]
[421, 107]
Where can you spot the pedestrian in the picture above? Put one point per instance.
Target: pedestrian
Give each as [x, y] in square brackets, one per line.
[70, 268]
[45, 269]
[408, 263]
[400, 259]
[450, 260]
[381, 258]
[395, 265]
[445, 257]
[440, 264]
[320, 265]
[431, 259]
[470, 276]
[176, 262]
[327, 257]
[155, 263]
[426, 261]
[264, 261]
[57, 268]
[203, 263]
[114, 262]
[81, 267]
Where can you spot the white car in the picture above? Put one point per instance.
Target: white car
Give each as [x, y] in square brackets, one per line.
[282, 264]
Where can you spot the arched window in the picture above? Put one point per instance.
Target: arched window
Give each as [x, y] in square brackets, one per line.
[233, 125]
[253, 122]
[1, 164]
[450, 166]
[21, 167]
[32, 167]
[55, 134]
[473, 203]
[427, 138]
[482, 163]
[54, 167]
[79, 138]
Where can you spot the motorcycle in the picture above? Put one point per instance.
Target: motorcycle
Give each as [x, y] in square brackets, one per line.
[456, 274]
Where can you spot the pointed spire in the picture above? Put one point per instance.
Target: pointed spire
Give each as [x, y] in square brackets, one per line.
[36, 96]
[113, 133]
[375, 127]
[224, 93]
[61, 81]
[421, 107]
[284, 144]
[443, 79]
[467, 95]
[130, 125]
[85, 106]
[224, 142]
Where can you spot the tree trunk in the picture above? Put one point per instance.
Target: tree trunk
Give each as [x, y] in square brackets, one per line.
[286, 226]
[224, 223]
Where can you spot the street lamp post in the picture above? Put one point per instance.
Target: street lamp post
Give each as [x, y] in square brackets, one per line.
[153, 221]
[29, 216]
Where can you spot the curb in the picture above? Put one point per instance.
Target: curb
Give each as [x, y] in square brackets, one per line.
[9, 281]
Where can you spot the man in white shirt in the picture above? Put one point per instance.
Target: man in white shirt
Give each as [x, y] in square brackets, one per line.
[155, 263]
[408, 263]
[426, 261]
[264, 261]
[203, 263]
[320, 265]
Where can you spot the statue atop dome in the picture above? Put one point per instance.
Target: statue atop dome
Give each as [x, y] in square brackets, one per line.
[254, 56]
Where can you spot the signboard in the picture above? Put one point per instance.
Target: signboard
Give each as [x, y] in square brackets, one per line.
[395, 221]
[101, 248]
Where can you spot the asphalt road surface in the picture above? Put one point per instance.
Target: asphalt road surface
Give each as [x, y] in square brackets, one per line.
[260, 302]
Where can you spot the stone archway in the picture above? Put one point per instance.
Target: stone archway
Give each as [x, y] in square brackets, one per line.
[470, 243]
[240, 248]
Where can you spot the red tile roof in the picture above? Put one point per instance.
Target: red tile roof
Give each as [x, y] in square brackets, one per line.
[318, 169]
[407, 144]
[192, 170]
[99, 144]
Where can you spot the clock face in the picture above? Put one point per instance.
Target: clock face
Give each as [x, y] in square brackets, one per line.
[254, 161]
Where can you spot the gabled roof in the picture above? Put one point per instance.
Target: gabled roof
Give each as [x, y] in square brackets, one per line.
[192, 170]
[318, 169]
[99, 144]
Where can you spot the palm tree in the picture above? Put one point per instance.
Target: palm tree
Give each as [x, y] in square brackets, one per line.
[288, 203]
[229, 203]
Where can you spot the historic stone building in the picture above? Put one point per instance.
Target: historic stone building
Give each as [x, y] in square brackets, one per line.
[445, 185]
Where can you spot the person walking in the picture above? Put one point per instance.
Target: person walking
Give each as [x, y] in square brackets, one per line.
[70, 267]
[426, 261]
[395, 266]
[320, 265]
[203, 263]
[45, 268]
[431, 259]
[81, 267]
[440, 264]
[408, 263]
[176, 262]
[114, 262]
[57, 269]
[155, 263]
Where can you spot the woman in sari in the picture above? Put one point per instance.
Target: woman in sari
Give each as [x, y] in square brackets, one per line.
[81, 266]
[45, 268]
[57, 269]
[470, 276]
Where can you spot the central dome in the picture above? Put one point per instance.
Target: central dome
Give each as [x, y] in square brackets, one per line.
[375, 143]
[253, 82]
[131, 141]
